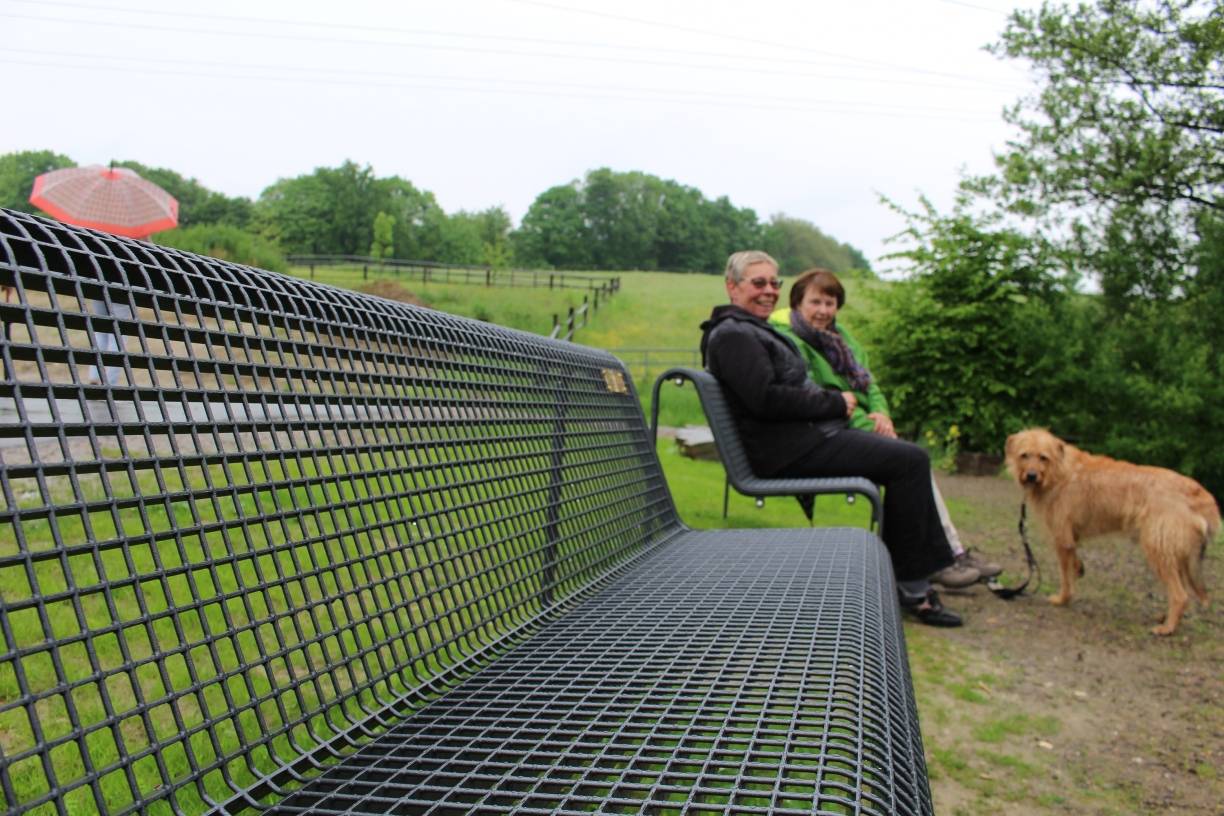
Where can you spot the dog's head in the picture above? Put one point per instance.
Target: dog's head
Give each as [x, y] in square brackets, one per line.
[1035, 457]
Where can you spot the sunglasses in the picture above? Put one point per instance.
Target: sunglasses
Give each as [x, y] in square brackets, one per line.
[761, 283]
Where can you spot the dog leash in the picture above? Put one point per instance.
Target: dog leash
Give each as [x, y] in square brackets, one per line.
[1007, 593]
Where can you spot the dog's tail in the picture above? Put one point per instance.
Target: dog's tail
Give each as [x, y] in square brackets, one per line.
[1173, 541]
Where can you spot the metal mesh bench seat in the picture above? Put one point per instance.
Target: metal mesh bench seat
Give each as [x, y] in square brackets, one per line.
[735, 458]
[313, 551]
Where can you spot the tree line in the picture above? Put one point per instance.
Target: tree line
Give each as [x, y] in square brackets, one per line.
[1080, 286]
[606, 220]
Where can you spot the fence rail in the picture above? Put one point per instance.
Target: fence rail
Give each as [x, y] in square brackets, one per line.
[601, 287]
[430, 271]
[645, 363]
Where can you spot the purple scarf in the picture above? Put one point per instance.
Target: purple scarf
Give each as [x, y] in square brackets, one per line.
[832, 346]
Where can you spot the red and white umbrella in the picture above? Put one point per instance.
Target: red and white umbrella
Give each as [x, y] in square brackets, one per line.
[111, 199]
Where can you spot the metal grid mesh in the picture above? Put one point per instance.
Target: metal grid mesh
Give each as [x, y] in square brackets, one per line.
[295, 508]
[735, 458]
[300, 515]
[729, 672]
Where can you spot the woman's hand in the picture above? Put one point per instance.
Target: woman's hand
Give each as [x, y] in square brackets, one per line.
[851, 402]
[883, 425]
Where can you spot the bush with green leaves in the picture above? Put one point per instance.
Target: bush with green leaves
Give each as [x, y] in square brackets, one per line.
[227, 243]
[982, 337]
[1159, 393]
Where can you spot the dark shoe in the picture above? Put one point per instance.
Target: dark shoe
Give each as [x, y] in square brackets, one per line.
[957, 575]
[930, 611]
[987, 569]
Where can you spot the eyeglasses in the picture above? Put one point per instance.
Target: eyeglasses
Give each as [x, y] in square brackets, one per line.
[761, 283]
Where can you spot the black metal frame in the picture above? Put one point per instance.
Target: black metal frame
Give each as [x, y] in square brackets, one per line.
[324, 550]
[735, 458]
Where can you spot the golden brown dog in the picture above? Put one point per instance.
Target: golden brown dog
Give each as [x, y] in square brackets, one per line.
[1078, 495]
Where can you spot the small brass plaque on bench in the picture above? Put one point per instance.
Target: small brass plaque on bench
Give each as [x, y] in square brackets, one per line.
[615, 381]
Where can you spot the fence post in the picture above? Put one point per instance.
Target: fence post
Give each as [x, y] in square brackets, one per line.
[365, 271]
[312, 271]
[550, 280]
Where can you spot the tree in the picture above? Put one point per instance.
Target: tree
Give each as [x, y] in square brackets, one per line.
[478, 238]
[1115, 176]
[333, 210]
[554, 231]
[197, 203]
[733, 229]
[632, 220]
[622, 212]
[383, 245]
[329, 212]
[1120, 151]
[294, 213]
[495, 226]
[798, 245]
[18, 171]
[420, 223]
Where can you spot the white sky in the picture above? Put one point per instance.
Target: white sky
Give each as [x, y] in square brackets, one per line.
[808, 108]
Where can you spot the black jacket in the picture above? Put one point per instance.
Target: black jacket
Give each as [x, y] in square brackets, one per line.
[781, 414]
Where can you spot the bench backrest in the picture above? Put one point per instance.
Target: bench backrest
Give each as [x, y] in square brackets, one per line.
[722, 424]
[735, 457]
[299, 509]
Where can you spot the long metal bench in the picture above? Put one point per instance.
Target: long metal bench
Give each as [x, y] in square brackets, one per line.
[735, 459]
[319, 552]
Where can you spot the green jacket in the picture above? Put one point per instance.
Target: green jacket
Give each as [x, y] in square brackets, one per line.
[821, 373]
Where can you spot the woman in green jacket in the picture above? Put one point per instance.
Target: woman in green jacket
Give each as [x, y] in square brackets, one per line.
[836, 359]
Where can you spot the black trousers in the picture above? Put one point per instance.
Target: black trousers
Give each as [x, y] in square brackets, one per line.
[912, 531]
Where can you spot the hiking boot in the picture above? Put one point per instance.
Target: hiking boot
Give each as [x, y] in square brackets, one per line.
[957, 575]
[986, 569]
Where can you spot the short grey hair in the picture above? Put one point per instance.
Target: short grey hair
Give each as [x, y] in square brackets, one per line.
[740, 261]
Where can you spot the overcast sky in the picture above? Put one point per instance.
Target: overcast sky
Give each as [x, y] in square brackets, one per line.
[813, 109]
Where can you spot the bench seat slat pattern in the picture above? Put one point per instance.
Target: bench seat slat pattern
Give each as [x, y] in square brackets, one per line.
[301, 515]
[723, 673]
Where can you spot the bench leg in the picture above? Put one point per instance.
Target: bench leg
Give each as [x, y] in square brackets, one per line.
[726, 495]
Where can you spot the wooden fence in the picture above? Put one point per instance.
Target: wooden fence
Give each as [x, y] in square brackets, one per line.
[601, 287]
[432, 272]
[647, 363]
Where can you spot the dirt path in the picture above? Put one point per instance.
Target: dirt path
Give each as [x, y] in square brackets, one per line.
[1076, 710]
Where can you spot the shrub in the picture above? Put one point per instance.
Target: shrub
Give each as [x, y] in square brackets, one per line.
[982, 336]
[226, 243]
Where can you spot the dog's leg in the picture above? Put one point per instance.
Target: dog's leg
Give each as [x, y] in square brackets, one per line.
[1192, 573]
[1068, 567]
[1178, 599]
[1166, 558]
[1193, 566]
